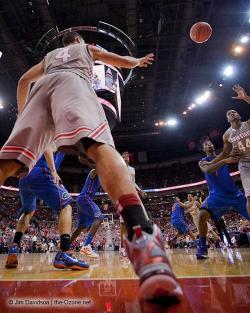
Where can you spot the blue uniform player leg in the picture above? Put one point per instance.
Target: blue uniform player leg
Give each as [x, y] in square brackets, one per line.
[89, 217]
[217, 206]
[220, 205]
[40, 184]
[28, 200]
[180, 226]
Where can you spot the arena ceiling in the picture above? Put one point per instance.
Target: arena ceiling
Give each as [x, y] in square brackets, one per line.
[182, 69]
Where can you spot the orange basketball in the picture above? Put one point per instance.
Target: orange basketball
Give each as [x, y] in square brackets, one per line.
[200, 32]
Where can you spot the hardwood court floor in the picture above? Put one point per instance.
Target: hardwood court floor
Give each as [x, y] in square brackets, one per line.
[219, 284]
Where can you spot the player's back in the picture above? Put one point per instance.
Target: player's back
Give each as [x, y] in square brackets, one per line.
[177, 211]
[220, 182]
[74, 58]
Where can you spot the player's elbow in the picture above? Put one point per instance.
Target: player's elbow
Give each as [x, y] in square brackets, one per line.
[23, 81]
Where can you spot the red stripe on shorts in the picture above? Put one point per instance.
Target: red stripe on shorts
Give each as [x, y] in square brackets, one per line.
[98, 131]
[15, 149]
[72, 133]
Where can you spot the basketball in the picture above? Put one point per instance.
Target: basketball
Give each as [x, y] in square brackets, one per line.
[200, 32]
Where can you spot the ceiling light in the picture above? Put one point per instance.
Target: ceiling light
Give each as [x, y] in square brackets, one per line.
[171, 122]
[238, 49]
[228, 71]
[244, 39]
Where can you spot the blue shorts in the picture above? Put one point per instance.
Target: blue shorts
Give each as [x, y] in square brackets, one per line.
[40, 184]
[87, 211]
[180, 225]
[218, 205]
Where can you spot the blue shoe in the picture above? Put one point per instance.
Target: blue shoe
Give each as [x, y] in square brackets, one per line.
[65, 260]
[12, 261]
[202, 253]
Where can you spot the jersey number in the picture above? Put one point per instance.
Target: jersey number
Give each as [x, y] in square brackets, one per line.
[241, 146]
[63, 54]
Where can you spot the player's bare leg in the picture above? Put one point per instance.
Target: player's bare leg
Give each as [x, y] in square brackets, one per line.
[21, 227]
[157, 280]
[8, 168]
[112, 171]
[77, 233]
[65, 220]
[64, 227]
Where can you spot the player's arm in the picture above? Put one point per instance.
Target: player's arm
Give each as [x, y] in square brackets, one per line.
[227, 149]
[141, 192]
[241, 93]
[211, 168]
[23, 87]
[186, 206]
[118, 60]
[49, 156]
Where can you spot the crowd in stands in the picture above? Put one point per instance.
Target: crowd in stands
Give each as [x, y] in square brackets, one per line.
[157, 177]
[43, 236]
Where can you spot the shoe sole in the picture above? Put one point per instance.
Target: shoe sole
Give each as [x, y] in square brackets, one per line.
[73, 267]
[162, 288]
[11, 262]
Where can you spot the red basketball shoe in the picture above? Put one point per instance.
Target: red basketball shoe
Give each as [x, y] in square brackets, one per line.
[148, 257]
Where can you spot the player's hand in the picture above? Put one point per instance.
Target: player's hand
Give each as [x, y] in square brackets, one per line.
[56, 177]
[143, 194]
[93, 173]
[203, 163]
[147, 60]
[241, 94]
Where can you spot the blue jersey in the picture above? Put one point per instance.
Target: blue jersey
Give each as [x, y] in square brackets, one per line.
[58, 157]
[220, 182]
[177, 211]
[90, 187]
